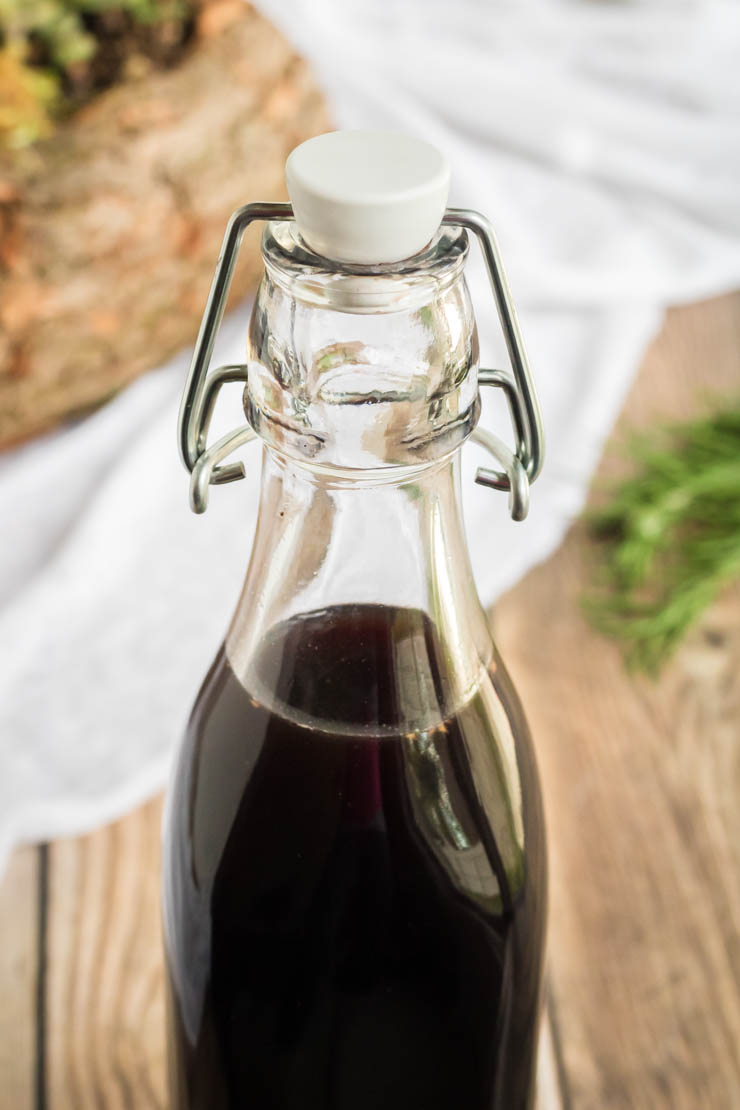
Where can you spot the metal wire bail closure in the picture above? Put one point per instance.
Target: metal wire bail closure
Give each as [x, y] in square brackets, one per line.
[519, 468]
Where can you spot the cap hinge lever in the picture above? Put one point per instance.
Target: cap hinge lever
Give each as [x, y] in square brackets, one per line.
[520, 468]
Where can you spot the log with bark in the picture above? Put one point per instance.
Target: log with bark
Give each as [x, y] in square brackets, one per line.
[110, 229]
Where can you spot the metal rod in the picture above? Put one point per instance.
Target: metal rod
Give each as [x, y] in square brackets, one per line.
[236, 372]
[528, 421]
[191, 410]
[203, 473]
[202, 386]
[513, 479]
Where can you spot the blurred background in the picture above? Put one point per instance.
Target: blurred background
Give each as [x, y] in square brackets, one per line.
[603, 140]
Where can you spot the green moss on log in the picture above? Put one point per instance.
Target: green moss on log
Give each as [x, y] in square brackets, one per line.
[57, 54]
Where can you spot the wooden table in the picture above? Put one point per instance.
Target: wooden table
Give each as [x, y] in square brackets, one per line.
[642, 787]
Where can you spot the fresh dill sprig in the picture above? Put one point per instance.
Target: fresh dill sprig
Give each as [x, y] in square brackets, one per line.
[670, 536]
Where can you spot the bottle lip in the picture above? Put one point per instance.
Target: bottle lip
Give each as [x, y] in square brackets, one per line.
[354, 287]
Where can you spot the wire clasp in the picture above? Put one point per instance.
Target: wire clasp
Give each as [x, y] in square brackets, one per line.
[519, 468]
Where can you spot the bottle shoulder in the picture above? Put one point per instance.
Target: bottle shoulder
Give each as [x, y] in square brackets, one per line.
[349, 730]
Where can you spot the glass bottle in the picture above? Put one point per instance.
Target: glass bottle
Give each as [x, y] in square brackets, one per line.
[354, 858]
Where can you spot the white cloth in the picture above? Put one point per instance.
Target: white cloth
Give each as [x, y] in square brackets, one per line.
[603, 140]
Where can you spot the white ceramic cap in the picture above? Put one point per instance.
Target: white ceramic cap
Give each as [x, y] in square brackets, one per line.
[367, 196]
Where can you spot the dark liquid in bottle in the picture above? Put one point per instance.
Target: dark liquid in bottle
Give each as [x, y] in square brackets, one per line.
[354, 907]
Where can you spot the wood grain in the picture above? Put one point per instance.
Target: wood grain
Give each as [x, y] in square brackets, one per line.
[642, 782]
[105, 1010]
[18, 980]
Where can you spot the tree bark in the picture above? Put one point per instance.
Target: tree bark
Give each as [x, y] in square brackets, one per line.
[110, 230]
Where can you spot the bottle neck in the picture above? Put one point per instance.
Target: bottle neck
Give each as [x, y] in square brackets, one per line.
[393, 539]
[362, 370]
[363, 387]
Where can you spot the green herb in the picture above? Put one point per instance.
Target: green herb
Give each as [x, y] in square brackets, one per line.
[55, 54]
[671, 536]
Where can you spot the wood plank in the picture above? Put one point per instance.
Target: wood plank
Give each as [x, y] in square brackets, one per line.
[19, 979]
[550, 1094]
[105, 1009]
[642, 782]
